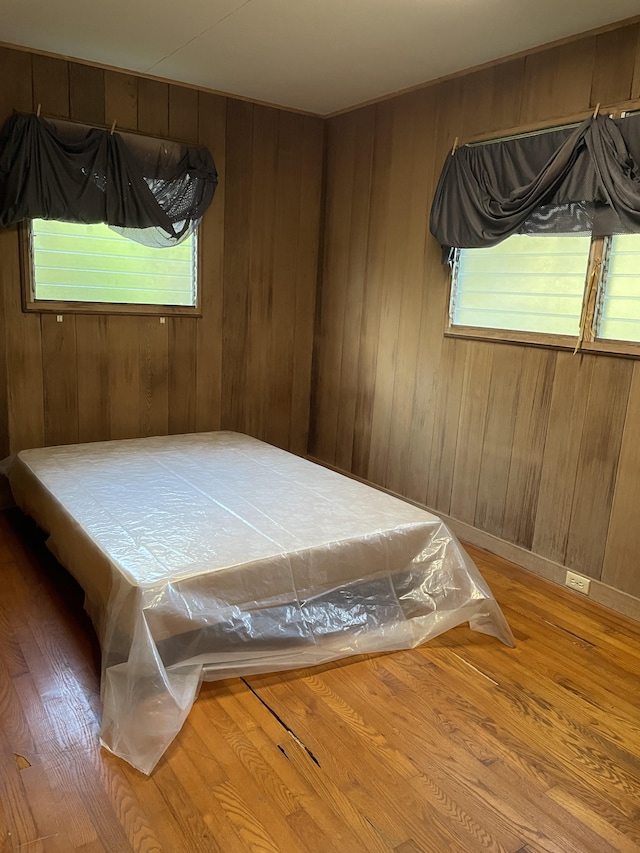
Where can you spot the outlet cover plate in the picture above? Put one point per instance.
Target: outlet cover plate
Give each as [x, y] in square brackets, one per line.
[577, 582]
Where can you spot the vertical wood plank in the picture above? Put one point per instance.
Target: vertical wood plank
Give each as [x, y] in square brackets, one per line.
[153, 107]
[333, 289]
[51, 89]
[508, 81]
[209, 343]
[86, 93]
[448, 400]
[124, 376]
[374, 286]
[60, 379]
[22, 377]
[557, 82]
[416, 479]
[17, 90]
[138, 346]
[307, 261]
[51, 85]
[597, 464]
[358, 236]
[92, 349]
[529, 436]
[635, 83]
[471, 426]
[25, 391]
[183, 124]
[4, 409]
[560, 458]
[498, 438]
[183, 113]
[614, 65]
[420, 155]
[154, 375]
[621, 568]
[182, 375]
[289, 175]
[236, 261]
[261, 271]
[87, 102]
[15, 70]
[121, 100]
[392, 285]
[491, 98]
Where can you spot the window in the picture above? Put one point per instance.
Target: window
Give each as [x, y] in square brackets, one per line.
[526, 283]
[77, 267]
[618, 314]
[556, 289]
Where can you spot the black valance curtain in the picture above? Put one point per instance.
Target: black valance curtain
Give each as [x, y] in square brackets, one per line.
[64, 171]
[584, 178]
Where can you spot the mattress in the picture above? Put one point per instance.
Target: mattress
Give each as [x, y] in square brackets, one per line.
[212, 555]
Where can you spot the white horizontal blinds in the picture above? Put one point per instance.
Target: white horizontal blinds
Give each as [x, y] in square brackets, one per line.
[91, 263]
[526, 283]
[620, 299]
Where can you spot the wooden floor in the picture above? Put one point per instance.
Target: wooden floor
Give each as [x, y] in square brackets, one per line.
[461, 745]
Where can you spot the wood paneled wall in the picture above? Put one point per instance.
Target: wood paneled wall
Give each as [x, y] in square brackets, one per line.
[536, 446]
[246, 364]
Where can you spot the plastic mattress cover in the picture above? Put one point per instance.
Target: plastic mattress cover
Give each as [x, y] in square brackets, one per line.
[213, 555]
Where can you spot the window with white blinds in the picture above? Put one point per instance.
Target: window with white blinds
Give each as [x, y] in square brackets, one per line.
[526, 283]
[619, 303]
[92, 264]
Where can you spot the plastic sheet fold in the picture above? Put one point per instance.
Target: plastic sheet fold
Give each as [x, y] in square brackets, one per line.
[214, 555]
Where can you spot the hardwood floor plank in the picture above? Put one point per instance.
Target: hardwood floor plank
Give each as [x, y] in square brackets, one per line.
[245, 771]
[125, 803]
[20, 826]
[367, 833]
[237, 811]
[623, 837]
[242, 701]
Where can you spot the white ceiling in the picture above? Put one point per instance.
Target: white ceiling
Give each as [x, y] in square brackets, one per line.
[314, 55]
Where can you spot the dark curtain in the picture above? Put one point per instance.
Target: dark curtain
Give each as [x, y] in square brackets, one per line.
[64, 171]
[580, 179]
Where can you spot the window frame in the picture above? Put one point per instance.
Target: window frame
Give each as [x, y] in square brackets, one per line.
[593, 295]
[516, 336]
[49, 306]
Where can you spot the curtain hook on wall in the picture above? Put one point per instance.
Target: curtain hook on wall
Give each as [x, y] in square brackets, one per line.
[113, 127]
[597, 110]
[38, 110]
[455, 145]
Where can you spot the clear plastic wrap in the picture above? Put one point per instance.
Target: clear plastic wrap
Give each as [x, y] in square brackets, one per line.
[214, 555]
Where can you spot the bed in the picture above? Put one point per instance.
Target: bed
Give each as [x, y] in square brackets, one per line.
[213, 555]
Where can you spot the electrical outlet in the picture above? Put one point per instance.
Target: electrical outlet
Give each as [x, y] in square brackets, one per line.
[577, 582]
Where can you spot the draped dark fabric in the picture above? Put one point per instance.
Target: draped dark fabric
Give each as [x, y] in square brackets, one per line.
[64, 171]
[580, 179]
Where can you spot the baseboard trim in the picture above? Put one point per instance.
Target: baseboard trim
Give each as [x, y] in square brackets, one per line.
[608, 596]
